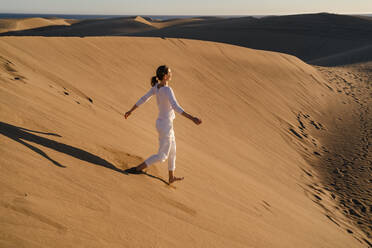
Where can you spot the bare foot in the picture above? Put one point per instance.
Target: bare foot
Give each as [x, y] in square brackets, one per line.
[173, 179]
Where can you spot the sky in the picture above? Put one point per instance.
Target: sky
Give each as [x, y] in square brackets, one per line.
[186, 7]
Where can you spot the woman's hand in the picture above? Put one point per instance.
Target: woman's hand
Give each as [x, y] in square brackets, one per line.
[127, 114]
[196, 120]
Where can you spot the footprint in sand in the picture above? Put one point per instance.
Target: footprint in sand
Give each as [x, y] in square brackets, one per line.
[123, 159]
[10, 69]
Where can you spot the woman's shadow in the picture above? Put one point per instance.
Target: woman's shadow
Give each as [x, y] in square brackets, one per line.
[21, 135]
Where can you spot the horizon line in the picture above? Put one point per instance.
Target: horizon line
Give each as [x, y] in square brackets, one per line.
[131, 14]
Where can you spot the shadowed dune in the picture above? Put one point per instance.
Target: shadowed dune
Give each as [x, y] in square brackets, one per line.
[308, 37]
[251, 175]
[104, 27]
[345, 160]
[354, 56]
[311, 37]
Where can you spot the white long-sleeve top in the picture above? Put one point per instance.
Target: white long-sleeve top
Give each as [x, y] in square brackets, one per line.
[166, 101]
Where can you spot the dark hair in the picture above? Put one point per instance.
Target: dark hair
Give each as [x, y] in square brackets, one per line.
[160, 72]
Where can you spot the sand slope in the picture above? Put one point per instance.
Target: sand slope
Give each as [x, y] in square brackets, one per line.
[346, 163]
[64, 143]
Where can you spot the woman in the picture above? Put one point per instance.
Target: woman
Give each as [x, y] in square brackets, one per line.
[167, 104]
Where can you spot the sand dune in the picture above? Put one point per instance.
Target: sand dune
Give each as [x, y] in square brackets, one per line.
[250, 174]
[310, 36]
[186, 21]
[109, 27]
[354, 56]
[90, 27]
[7, 25]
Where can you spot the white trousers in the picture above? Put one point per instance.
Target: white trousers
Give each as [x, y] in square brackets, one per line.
[167, 144]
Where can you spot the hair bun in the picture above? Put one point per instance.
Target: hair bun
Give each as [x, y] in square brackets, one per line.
[154, 80]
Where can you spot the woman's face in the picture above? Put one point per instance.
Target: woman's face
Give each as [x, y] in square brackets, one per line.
[169, 75]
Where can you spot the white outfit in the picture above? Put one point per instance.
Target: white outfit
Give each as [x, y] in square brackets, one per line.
[167, 103]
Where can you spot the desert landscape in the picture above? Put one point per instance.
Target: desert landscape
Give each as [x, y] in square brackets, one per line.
[319, 39]
[282, 158]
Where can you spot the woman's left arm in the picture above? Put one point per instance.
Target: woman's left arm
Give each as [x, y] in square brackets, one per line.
[179, 109]
[173, 101]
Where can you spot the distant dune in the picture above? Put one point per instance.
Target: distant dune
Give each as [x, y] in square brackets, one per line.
[311, 37]
[357, 55]
[7, 25]
[253, 170]
[79, 27]
[308, 37]
[103, 27]
[107, 27]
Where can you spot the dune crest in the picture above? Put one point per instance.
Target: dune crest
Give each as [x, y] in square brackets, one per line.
[7, 25]
[142, 20]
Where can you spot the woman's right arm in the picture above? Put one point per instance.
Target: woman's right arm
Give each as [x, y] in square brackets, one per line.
[127, 114]
[141, 101]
